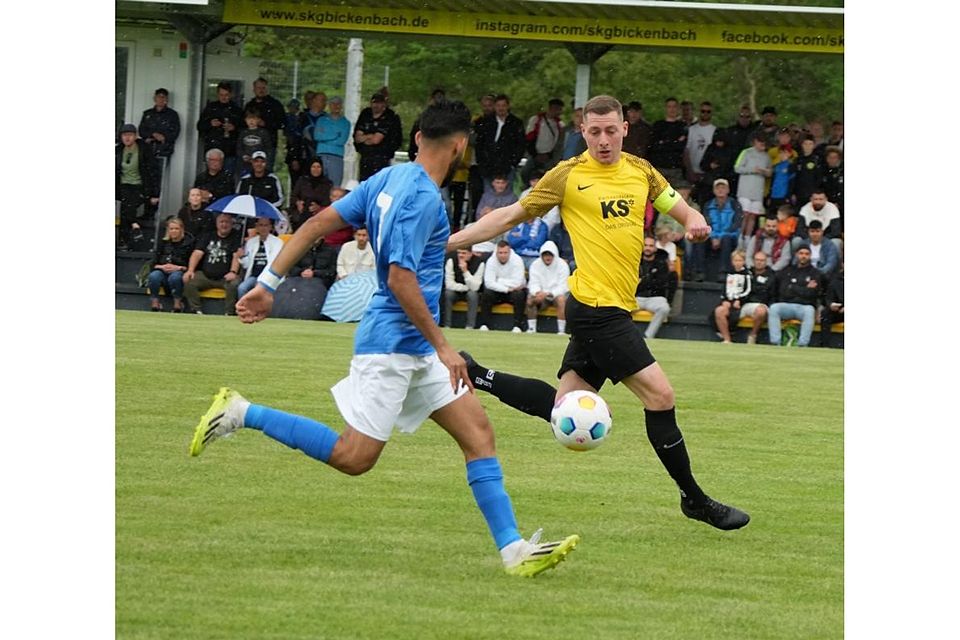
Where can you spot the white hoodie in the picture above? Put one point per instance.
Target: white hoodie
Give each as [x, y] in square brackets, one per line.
[552, 279]
[503, 277]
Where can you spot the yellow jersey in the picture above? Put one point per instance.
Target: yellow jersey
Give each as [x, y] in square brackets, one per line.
[602, 207]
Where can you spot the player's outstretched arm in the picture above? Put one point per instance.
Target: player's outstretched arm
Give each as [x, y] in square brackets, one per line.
[403, 283]
[493, 224]
[692, 220]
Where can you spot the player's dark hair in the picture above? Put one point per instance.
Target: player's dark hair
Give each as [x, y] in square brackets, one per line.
[444, 118]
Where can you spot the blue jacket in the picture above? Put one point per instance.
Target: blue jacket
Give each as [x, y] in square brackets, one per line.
[829, 257]
[331, 135]
[527, 237]
[725, 222]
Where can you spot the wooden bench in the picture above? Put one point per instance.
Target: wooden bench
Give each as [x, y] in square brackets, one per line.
[747, 323]
[549, 312]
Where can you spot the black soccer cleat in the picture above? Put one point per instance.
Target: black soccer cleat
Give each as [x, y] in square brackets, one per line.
[715, 514]
[469, 358]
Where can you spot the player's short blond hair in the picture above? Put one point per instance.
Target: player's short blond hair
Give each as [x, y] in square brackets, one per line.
[602, 105]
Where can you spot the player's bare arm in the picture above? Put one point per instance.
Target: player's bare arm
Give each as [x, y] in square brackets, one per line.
[256, 305]
[495, 223]
[693, 221]
[403, 283]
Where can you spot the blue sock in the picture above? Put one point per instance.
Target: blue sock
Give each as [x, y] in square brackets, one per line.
[486, 480]
[313, 438]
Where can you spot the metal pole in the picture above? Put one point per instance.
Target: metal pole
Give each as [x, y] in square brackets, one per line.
[351, 103]
[296, 77]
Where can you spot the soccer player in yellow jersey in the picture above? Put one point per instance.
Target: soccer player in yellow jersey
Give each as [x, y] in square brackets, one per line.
[602, 194]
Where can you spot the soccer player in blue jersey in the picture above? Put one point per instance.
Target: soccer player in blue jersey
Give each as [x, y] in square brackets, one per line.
[403, 370]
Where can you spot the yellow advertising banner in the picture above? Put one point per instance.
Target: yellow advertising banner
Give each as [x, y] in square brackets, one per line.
[553, 29]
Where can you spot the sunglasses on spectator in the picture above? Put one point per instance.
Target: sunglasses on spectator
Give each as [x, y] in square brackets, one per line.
[706, 111]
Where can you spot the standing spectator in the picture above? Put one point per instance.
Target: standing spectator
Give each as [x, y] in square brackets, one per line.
[656, 287]
[316, 109]
[330, 135]
[377, 136]
[547, 286]
[273, 117]
[699, 137]
[253, 138]
[260, 183]
[832, 307]
[291, 121]
[543, 136]
[738, 285]
[475, 181]
[160, 127]
[768, 240]
[136, 183]
[169, 264]
[356, 255]
[214, 263]
[740, 133]
[782, 159]
[573, 142]
[768, 126]
[639, 131]
[218, 124]
[500, 143]
[824, 255]
[717, 162]
[194, 217]
[299, 150]
[503, 281]
[808, 171]
[835, 139]
[753, 167]
[498, 195]
[725, 217]
[463, 276]
[832, 182]
[686, 113]
[797, 292]
[412, 148]
[819, 208]
[668, 142]
[313, 187]
[258, 254]
[214, 181]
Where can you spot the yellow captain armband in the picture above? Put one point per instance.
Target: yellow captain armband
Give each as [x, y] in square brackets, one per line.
[667, 198]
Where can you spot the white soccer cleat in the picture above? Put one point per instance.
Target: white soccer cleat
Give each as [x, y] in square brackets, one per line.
[224, 417]
[533, 557]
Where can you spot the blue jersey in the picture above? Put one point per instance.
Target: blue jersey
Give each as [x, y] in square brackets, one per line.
[407, 220]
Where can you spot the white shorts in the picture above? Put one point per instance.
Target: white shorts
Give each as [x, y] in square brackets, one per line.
[747, 310]
[390, 390]
[751, 206]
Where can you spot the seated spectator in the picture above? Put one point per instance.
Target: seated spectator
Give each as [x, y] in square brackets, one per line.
[260, 182]
[255, 137]
[773, 245]
[832, 306]
[463, 276]
[823, 254]
[258, 254]
[547, 286]
[356, 255]
[169, 264]
[319, 262]
[499, 195]
[757, 305]
[503, 281]
[214, 263]
[214, 181]
[725, 218]
[796, 293]
[664, 237]
[336, 239]
[552, 217]
[819, 208]
[786, 221]
[137, 182]
[657, 284]
[312, 186]
[526, 239]
[561, 237]
[195, 218]
[736, 290]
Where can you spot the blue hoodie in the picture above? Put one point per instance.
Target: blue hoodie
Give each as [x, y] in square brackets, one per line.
[724, 222]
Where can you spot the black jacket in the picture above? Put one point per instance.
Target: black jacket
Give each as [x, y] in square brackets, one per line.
[177, 253]
[213, 137]
[666, 147]
[388, 124]
[322, 258]
[499, 155]
[762, 286]
[266, 187]
[791, 285]
[833, 185]
[147, 165]
[166, 122]
[219, 185]
[808, 175]
[655, 276]
[197, 223]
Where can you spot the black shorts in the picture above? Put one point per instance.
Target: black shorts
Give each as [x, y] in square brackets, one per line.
[604, 343]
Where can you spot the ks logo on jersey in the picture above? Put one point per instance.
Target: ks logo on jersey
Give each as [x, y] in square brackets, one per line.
[615, 208]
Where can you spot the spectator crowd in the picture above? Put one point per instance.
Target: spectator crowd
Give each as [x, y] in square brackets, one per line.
[771, 192]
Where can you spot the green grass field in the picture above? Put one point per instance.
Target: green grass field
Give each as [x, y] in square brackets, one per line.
[254, 540]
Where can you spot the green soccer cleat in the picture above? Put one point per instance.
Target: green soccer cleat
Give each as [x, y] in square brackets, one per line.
[537, 557]
[221, 419]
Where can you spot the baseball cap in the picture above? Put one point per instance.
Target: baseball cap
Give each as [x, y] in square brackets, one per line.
[377, 97]
[767, 110]
[336, 100]
[258, 154]
[128, 128]
[721, 181]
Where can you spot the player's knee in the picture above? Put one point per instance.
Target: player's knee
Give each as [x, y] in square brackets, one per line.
[660, 396]
[357, 465]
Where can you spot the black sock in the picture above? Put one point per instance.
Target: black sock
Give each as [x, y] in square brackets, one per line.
[667, 441]
[529, 395]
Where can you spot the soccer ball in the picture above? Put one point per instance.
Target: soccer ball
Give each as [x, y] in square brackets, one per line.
[581, 420]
